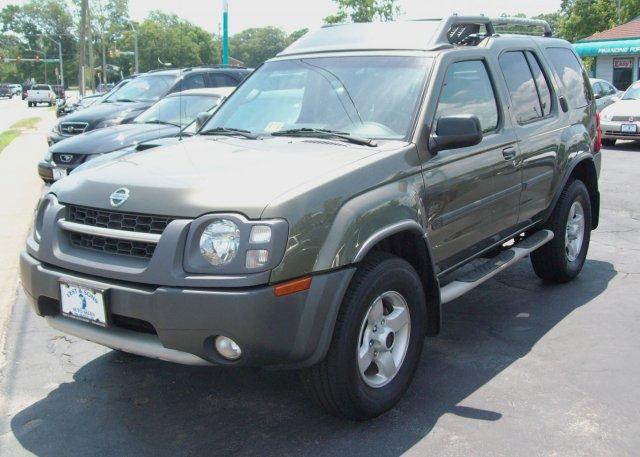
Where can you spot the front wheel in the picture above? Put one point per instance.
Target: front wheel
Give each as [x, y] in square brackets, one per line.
[377, 341]
[562, 259]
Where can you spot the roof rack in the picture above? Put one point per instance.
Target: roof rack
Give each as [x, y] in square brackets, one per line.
[460, 29]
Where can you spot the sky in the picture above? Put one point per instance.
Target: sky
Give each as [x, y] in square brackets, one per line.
[296, 14]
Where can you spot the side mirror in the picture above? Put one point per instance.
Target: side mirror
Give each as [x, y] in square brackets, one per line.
[202, 119]
[456, 132]
[598, 96]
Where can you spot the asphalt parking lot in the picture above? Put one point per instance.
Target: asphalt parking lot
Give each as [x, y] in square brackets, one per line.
[521, 368]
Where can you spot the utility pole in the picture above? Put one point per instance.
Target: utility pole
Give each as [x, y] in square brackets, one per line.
[136, 57]
[225, 32]
[82, 51]
[104, 58]
[91, 61]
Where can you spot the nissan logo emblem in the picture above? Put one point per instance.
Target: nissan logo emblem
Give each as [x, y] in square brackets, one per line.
[119, 197]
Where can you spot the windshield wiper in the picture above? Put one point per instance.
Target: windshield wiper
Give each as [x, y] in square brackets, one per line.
[158, 121]
[125, 100]
[230, 131]
[327, 134]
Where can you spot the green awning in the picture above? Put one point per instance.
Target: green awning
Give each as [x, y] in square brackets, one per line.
[608, 48]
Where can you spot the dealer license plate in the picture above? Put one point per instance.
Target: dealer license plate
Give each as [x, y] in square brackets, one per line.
[59, 173]
[629, 128]
[83, 303]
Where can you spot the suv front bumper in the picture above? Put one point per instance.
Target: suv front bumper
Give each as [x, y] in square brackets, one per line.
[291, 331]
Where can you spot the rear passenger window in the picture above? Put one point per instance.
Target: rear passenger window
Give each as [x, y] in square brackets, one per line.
[544, 91]
[192, 82]
[222, 80]
[530, 93]
[467, 90]
[573, 76]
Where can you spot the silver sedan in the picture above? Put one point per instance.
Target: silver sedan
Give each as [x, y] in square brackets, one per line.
[621, 120]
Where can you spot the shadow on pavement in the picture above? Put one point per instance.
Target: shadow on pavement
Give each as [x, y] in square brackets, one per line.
[124, 405]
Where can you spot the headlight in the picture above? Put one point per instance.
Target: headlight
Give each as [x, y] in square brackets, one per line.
[220, 242]
[230, 244]
[607, 116]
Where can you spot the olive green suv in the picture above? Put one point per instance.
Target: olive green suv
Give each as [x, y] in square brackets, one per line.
[337, 200]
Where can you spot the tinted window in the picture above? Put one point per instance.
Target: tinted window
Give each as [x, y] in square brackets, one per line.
[222, 80]
[467, 90]
[192, 82]
[524, 96]
[544, 92]
[609, 89]
[572, 75]
[143, 89]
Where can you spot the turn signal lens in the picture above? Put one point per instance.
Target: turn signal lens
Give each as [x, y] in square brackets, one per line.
[258, 258]
[291, 287]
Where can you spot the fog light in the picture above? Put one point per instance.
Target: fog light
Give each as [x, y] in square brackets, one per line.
[228, 348]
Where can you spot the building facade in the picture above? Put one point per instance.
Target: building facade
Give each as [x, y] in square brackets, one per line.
[615, 53]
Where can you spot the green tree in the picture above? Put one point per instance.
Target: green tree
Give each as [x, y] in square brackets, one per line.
[583, 18]
[254, 46]
[170, 39]
[364, 11]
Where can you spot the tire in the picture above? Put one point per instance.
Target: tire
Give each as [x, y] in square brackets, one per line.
[608, 143]
[556, 261]
[336, 383]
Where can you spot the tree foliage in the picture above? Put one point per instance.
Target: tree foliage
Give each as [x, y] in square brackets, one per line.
[582, 18]
[254, 46]
[364, 11]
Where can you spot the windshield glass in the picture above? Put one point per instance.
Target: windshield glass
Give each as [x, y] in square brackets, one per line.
[633, 93]
[177, 110]
[144, 89]
[374, 97]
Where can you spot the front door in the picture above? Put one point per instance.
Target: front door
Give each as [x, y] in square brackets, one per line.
[463, 200]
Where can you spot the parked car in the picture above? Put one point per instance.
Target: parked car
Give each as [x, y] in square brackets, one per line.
[605, 93]
[5, 91]
[70, 106]
[347, 190]
[164, 119]
[41, 93]
[621, 120]
[59, 91]
[123, 105]
[16, 89]
[25, 90]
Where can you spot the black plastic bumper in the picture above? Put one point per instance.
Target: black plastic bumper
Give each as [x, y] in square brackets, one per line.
[290, 331]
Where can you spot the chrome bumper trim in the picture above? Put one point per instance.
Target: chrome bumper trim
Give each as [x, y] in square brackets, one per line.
[109, 233]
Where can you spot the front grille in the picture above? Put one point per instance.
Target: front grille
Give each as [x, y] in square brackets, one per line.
[112, 246]
[116, 220]
[619, 134]
[128, 222]
[73, 128]
[68, 159]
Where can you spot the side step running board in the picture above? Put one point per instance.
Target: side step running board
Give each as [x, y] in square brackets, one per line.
[488, 270]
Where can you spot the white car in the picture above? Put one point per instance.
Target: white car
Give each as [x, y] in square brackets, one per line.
[41, 93]
[16, 89]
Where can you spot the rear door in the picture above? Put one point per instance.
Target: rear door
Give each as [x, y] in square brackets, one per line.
[463, 199]
[538, 127]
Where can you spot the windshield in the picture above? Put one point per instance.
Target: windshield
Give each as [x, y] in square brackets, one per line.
[144, 89]
[633, 93]
[374, 97]
[177, 110]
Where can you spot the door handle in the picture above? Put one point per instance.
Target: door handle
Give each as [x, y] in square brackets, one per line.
[509, 153]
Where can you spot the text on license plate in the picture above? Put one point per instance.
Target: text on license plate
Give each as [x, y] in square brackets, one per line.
[83, 303]
[629, 128]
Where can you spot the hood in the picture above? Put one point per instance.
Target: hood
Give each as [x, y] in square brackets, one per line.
[113, 138]
[626, 108]
[210, 174]
[100, 112]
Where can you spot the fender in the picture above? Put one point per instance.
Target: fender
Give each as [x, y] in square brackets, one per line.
[595, 197]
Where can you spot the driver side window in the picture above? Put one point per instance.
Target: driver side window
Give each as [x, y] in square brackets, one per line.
[467, 90]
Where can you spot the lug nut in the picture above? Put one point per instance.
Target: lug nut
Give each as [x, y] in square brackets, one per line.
[375, 328]
[375, 353]
[370, 343]
[383, 322]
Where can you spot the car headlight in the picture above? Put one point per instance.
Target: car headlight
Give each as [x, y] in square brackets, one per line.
[219, 242]
[231, 244]
[607, 116]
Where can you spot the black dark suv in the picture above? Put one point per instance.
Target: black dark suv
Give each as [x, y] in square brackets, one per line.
[125, 104]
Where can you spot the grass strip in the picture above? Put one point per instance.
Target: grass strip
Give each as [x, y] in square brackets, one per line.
[16, 130]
